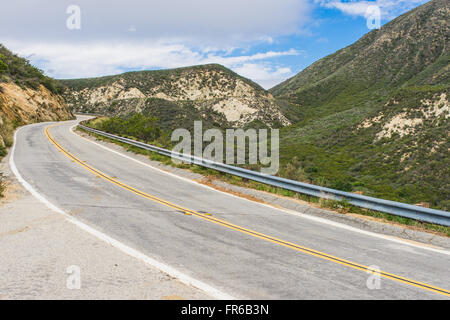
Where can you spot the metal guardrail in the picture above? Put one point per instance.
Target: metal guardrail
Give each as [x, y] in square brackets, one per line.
[396, 208]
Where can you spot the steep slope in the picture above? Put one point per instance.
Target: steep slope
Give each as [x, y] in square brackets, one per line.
[412, 49]
[26, 96]
[374, 115]
[177, 97]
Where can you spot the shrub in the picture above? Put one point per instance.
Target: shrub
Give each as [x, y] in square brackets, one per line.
[293, 170]
[3, 66]
[2, 185]
[20, 71]
[342, 185]
[138, 126]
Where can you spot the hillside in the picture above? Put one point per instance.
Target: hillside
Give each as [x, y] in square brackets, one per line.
[373, 117]
[177, 97]
[410, 50]
[26, 96]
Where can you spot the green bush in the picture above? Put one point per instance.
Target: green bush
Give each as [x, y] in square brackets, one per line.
[144, 128]
[20, 71]
[293, 170]
[2, 152]
[342, 185]
[3, 66]
[2, 185]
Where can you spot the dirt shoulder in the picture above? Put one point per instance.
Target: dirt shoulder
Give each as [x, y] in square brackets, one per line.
[38, 246]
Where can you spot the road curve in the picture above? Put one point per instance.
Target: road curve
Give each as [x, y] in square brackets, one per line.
[242, 248]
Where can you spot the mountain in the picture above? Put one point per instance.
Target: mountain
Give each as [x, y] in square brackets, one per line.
[373, 117]
[177, 97]
[26, 96]
[410, 50]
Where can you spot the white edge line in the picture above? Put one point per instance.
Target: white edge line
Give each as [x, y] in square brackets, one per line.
[115, 243]
[292, 212]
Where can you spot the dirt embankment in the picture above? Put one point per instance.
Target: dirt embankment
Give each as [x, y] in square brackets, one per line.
[25, 105]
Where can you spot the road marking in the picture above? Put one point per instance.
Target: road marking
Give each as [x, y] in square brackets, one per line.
[284, 210]
[187, 280]
[250, 232]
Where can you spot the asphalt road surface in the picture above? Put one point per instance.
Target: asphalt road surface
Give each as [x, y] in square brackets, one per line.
[242, 248]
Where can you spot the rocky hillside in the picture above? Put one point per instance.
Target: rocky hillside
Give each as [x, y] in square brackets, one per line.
[26, 96]
[177, 97]
[374, 116]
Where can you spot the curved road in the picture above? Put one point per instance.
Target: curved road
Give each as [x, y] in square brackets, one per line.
[242, 248]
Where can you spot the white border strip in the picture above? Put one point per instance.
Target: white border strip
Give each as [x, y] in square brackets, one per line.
[296, 213]
[115, 243]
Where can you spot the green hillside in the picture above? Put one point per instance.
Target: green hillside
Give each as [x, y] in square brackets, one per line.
[373, 117]
[18, 70]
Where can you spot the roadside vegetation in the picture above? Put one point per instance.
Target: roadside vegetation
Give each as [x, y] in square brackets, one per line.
[6, 140]
[7, 128]
[143, 128]
[2, 185]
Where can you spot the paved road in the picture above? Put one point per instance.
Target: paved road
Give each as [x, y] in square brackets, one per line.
[283, 260]
[38, 245]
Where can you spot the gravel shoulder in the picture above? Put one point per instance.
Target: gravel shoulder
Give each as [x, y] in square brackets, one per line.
[38, 246]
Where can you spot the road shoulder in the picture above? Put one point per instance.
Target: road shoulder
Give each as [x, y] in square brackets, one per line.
[40, 247]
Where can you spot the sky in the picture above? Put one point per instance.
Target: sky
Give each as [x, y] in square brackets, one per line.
[267, 41]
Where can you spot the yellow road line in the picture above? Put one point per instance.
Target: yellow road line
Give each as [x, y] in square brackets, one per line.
[224, 223]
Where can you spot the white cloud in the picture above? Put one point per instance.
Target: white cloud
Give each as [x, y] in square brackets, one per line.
[67, 60]
[206, 22]
[118, 36]
[264, 74]
[322, 40]
[389, 8]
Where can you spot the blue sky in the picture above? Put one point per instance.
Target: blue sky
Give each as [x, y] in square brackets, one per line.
[267, 41]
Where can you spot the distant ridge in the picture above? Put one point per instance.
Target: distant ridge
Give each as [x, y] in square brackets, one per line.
[211, 92]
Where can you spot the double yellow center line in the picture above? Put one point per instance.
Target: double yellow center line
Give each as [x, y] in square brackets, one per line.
[226, 224]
